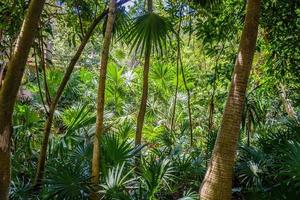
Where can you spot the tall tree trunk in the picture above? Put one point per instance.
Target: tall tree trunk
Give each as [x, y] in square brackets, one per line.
[9, 90]
[189, 103]
[217, 182]
[101, 95]
[142, 111]
[143, 105]
[48, 124]
[177, 70]
[49, 120]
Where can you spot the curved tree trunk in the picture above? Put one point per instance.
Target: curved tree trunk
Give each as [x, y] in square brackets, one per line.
[218, 178]
[48, 124]
[101, 95]
[9, 90]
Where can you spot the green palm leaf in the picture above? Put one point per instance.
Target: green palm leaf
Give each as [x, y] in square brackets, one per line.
[149, 31]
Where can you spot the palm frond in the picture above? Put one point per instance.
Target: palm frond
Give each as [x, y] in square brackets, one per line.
[149, 31]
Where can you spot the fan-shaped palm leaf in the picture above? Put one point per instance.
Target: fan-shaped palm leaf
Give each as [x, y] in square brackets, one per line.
[149, 31]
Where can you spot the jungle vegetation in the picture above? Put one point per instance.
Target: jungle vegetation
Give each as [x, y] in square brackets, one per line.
[150, 100]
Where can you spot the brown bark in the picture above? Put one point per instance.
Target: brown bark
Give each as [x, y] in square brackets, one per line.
[48, 123]
[218, 178]
[143, 105]
[101, 95]
[10, 87]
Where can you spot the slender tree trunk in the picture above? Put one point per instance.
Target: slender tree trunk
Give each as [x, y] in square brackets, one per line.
[143, 105]
[43, 64]
[48, 124]
[10, 87]
[189, 103]
[38, 81]
[101, 95]
[177, 71]
[49, 120]
[142, 111]
[217, 183]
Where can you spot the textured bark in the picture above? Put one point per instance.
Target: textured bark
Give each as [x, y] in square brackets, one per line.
[143, 105]
[101, 95]
[10, 87]
[218, 178]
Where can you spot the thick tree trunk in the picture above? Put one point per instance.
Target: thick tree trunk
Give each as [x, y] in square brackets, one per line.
[101, 95]
[10, 87]
[143, 105]
[218, 178]
[48, 124]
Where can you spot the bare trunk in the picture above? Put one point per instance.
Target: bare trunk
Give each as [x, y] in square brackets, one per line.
[218, 178]
[142, 111]
[189, 103]
[10, 87]
[143, 105]
[48, 123]
[177, 71]
[101, 95]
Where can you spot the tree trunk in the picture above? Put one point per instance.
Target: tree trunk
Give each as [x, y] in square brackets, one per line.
[101, 94]
[48, 123]
[218, 178]
[142, 111]
[10, 87]
[189, 103]
[143, 105]
[177, 71]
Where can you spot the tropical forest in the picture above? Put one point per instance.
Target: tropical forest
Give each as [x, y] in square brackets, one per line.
[149, 100]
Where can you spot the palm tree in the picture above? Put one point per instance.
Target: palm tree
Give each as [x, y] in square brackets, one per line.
[101, 93]
[9, 90]
[148, 33]
[218, 178]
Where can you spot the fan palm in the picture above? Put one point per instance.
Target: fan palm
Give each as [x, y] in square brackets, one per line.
[68, 180]
[149, 32]
[116, 183]
[156, 173]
